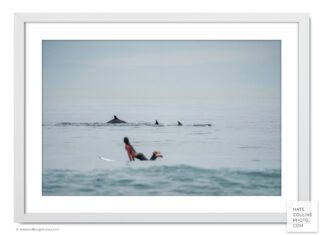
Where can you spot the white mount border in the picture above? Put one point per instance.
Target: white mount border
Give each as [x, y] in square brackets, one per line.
[21, 19]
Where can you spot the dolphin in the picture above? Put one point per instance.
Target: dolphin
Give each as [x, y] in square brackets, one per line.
[116, 120]
[179, 123]
[156, 122]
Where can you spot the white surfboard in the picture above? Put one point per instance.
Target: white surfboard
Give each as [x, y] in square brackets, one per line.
[106, 159]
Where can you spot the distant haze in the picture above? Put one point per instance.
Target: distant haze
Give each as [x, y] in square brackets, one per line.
[126, 69]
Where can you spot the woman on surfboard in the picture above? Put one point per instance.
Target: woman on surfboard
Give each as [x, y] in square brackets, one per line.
[132, 154]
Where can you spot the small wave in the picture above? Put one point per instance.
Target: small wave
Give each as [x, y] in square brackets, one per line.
[202, 124]
[91, 124]
[163, 180]
[251, 147]
[104, 124]
[265, 173]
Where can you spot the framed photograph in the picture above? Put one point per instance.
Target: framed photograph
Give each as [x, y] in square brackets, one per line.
[160, 118]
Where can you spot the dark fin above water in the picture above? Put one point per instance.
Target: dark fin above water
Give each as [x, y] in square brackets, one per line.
[156, 122]
[179, 123]
[116, 120]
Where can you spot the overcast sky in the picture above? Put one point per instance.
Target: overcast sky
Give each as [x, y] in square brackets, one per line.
[86, 70]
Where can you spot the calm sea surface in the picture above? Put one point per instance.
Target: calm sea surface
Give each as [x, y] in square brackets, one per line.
[238, 155]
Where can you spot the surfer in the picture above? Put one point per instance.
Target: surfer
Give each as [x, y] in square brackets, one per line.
[156, 122]
[132, 154]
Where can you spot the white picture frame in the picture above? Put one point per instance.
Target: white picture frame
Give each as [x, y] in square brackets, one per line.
[21, 19]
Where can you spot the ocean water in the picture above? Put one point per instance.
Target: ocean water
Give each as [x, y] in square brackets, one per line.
[238, 154]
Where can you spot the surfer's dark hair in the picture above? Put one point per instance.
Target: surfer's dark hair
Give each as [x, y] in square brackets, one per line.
[126, 141]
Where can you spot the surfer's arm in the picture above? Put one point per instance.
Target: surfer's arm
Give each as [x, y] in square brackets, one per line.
[130, 157]
[129, 152]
